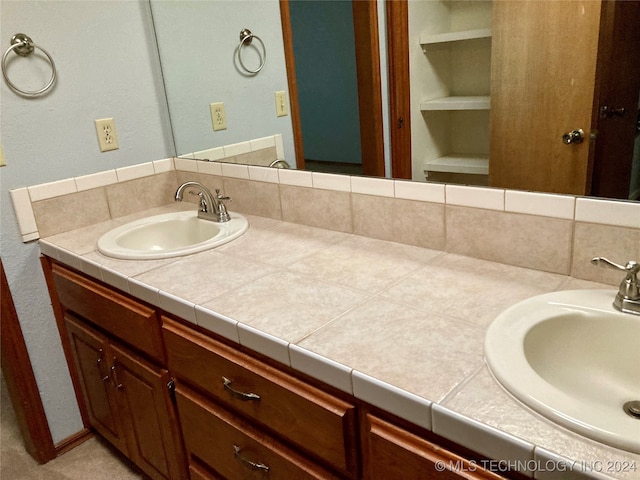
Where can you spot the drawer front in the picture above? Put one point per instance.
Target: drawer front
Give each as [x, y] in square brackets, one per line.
[321, 424]
[395, 453]
[130, 321]
[232, 448]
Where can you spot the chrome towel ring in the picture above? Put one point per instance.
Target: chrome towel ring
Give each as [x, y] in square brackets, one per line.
[24, 46]
[246, 37]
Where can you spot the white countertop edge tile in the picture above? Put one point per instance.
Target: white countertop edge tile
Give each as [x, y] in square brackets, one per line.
[144, 292]
[329, 371]
[69, 258]
[481, 438]
[48, 249]
[90, 267]
[216, 323]
[394, 400]
[273, 347]
[178, 306]
[551, 466]
[115, 279]
[24, 212]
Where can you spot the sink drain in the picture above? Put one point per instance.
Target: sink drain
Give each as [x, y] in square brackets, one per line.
[632, 408]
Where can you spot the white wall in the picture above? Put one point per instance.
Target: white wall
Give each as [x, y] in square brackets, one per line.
[105, 69]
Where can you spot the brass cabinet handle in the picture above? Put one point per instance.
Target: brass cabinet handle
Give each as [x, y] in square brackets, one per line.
[256, 466]
[245, 397]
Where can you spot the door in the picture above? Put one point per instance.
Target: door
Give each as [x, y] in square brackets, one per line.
[369, 126]
[543, 69]
[146, 408]
[90, 352]
[619, 87]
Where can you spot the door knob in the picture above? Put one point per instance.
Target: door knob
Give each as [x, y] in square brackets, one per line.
[575, 136]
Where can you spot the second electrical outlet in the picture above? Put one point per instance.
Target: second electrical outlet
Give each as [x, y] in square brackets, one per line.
[218, 116]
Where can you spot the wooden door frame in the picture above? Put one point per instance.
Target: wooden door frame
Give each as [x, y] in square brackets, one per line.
[397, 12]
[21, 382]
[369, 85]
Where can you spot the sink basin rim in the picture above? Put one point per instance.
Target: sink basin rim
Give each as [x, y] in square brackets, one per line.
[508, 363]
[226, 231]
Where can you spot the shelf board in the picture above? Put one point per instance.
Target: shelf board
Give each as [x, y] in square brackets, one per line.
[434, 38]
[457, 103]
[459, 163]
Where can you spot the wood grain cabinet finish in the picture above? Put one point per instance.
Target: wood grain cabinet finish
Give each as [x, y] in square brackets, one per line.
[320, 424]
[127, 401]
[134, 323]
[228, 446]
[392, 452]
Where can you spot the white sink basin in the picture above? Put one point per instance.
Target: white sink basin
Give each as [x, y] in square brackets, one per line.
[574, 359]
[169, 235]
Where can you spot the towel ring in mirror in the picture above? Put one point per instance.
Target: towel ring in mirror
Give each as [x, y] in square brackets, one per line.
[246, 37]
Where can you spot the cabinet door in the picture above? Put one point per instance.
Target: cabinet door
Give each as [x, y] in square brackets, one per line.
[90, 350]
[147, 412]
[392, 452]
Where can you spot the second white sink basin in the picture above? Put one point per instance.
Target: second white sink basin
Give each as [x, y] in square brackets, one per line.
[573, 358]
[169, 235]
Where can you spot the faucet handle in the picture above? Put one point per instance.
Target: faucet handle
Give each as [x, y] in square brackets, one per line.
[219, 196]
[629, 287]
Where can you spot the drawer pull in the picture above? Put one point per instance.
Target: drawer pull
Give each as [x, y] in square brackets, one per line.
[237, 394]
[248, 463]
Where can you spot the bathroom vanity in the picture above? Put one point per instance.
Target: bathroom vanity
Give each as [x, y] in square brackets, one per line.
[182, 402]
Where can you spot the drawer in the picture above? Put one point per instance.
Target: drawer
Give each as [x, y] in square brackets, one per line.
[232, 448]
[130, 321]
[318, 422]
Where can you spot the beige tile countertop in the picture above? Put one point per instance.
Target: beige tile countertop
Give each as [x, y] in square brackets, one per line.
[400, 327]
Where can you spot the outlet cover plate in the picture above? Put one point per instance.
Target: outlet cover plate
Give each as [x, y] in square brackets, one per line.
[107, 135]
[218, 116]
[282, 109]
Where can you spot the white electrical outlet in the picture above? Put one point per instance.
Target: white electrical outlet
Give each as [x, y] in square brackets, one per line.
[107, 135]
[281, 104]
[218, 116]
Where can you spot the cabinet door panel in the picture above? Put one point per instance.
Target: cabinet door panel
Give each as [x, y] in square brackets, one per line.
[392, 452]
[322, 424]
[90, 355]
[234, 449]
[146, 407]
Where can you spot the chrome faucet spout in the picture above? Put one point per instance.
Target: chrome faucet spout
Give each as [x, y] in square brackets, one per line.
[211, 207]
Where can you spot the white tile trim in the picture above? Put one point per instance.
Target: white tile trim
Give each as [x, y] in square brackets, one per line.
[214, 322]
[380, 187]
[24, 212]
[608, 212]
[234, 170]
[544, 204]
[424, 192]
[331, 181]
[269, 345]
[135, 171]
[476, 197]
[296, 178]
[48, 190]
[332, 373]
[96, 180]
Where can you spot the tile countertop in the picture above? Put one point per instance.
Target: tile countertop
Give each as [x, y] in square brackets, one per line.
[398, 326]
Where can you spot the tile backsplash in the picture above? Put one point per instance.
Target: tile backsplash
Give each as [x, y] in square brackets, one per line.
[540, 231]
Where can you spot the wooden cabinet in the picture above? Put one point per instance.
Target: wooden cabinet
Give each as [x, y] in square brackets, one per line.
[278, 406]
[392, 452]
[125, 396]
[181, 403]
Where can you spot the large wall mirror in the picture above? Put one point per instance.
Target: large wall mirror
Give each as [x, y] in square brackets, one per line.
[469, 51]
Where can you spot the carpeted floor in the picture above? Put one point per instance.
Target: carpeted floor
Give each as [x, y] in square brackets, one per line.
[92, 460]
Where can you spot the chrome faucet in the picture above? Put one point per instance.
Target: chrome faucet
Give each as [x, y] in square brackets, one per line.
[211, 208]
[628, 298]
